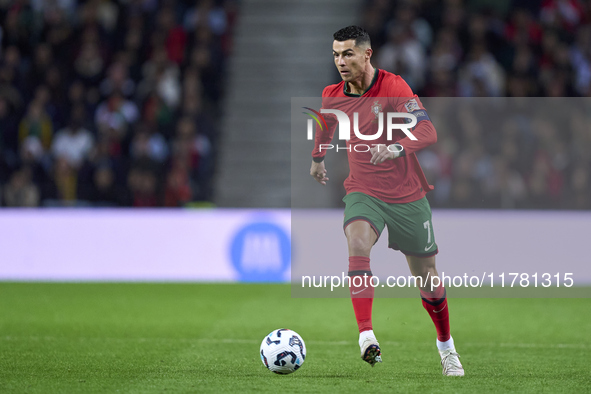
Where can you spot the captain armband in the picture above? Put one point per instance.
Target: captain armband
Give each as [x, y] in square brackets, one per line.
[420, 114]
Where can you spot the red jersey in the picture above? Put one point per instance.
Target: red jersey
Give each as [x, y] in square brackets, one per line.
[394, 181]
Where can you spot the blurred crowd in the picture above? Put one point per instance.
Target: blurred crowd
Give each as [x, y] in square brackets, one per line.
[117, 102]
[110, 103]
[496, 48]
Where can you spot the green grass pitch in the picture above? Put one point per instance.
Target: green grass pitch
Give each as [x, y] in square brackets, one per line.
[183, 338]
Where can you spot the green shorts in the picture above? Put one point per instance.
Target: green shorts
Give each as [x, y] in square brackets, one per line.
[410, 229]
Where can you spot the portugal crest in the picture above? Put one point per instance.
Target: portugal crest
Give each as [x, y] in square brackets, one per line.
[376, 108]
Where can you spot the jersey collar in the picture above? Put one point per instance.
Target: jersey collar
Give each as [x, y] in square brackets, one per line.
[375, 76]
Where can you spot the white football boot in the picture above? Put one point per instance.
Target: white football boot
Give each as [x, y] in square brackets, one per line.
[450, 361]
[370, 351]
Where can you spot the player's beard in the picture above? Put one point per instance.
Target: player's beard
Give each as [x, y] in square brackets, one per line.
[353, 74]
[348, 77]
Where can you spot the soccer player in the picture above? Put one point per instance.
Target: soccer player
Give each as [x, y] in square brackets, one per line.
[385, 187]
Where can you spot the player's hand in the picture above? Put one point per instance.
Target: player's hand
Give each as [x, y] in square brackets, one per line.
[380, 153]
[318, 171]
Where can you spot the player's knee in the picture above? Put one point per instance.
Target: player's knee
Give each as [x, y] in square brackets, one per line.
[423, 267]
[359, 245]
[424, 271]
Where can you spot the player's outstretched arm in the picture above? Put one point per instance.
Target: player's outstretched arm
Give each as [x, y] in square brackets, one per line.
[318, 171]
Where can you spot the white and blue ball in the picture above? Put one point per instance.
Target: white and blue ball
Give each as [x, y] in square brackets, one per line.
[283, 351]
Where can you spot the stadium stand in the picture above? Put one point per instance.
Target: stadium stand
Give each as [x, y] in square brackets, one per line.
[106, 103]
[119, 103]
[505, 48]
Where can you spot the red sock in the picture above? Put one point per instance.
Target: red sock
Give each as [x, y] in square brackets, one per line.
[361, 291]
[435, 303]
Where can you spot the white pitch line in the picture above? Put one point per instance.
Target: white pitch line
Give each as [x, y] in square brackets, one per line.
[310, 342]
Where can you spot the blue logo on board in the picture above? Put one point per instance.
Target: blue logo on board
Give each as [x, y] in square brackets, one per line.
[261, 252]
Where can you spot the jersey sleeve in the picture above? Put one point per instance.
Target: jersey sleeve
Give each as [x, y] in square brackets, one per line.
[404, 100]
[324, 131]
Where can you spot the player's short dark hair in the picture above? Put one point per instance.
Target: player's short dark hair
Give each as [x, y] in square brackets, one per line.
[353, 33]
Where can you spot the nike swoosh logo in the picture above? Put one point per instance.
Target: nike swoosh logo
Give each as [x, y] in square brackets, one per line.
[429, 247]
[440, 309]
[357, 292]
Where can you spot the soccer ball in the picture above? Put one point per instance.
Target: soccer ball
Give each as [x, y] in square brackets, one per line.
[283, 351]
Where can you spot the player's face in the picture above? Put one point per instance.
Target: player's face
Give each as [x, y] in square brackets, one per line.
[349, 59]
